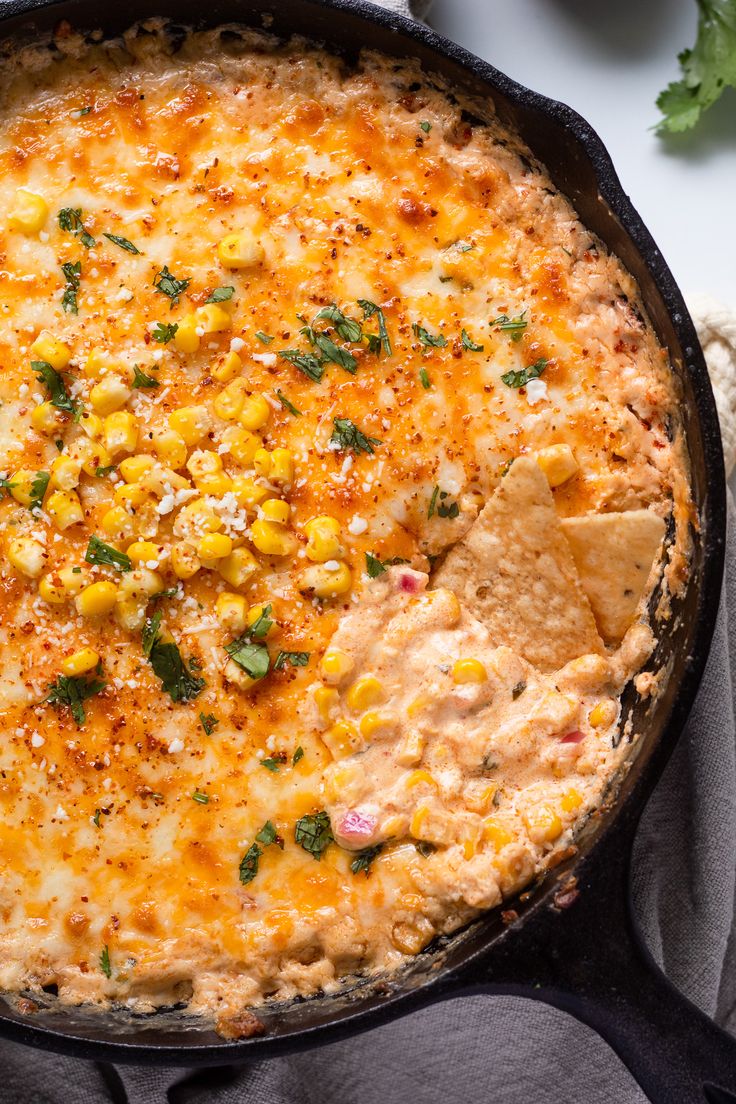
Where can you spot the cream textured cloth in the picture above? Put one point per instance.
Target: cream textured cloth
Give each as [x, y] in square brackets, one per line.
[716, 325]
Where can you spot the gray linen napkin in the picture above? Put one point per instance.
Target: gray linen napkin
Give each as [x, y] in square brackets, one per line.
[502, 1048]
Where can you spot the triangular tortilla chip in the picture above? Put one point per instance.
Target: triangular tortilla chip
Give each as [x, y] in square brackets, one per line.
[513, 570]
[614, 555]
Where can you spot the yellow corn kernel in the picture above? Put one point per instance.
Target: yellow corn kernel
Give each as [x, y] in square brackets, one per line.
[241, 250]
[204, 462]
[52, 590]
[326, 698]
[96, 599]
[254, 413]
[323, 539]
[117, 523]
[140, 583]
[228, 368]
[130, 613]
[558, 463]
[91, 424]
[335, 666]
[374, 724]
[27, 556]
[65, 473]
[249, 494]
[342, 739]
[242, 444]
[195, 519]
[282, 467]
[144, 552]
[496, 834]
[231, 611]
[170, 447]
[364, 693]
[604, 713]
[469, 848]
[468, 670]
[29, 213]
[184, 561]
[235, 674]
[133, 467]
[323, 582]
[571, 800]
[408, 938]
[49, 348]
[276, 510]
[64, 509]
[262, 463]
[131, 495]
[338, 781]
[228, 404]
[109, 394]
[272, 539]
[86, 659]
[214, 546]
[239, 567]
[213, 318]
[410, 750]
[73, 580]
[186, 338]
[217, 485]
[192, 423]
[21, 483]
[99, 363]
[47, 419]
[160, 481]
[120, 433]
[90, 454]
[421, 778]
[420, 815]
[542, 824]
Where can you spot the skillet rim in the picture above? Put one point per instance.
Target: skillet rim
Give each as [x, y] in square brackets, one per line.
[628, 805]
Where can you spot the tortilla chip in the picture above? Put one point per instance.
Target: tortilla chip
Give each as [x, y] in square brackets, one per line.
[514, 571]
[614, 554]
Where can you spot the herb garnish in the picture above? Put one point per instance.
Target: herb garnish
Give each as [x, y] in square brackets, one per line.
[298, 754]
[163, 332]
[102, 472]
[522, 377]
[425, 126]
[39, 486]
[72, 276]
[165, 658]
[347, 328]
[434, 341]
[321, 340]
[314, 833]
[71, 691]
[269, 835]
[346, 435]
[369, 309]
[438, 505]
[363, 859]
[376, 567]
[247, 651]
[468, 343]
[200, 798]
[424, 379]
[6, 487]
[287, 405]
[272, 764]
[249, 863]
[294, 659]
[54, 383]
[165, 282]
[70, 218]
[96, 818]
[264, 337]
[513, 326]
[105, 962]
[123, 243]
[707, 69]
[140, 379]
[307, 363]
[220, 295]
[209, 722]
[104, 554]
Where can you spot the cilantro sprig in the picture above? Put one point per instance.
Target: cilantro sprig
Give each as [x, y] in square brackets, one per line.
[70, 219]
[707, 69]
[248, 649]
[54, 384]
[361, 864]
[104, 554]
[347, 436]
[522, 377]
[165, 658]
[169, 285]
[69, 692]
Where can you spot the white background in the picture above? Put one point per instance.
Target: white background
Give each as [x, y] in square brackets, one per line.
[609, 59]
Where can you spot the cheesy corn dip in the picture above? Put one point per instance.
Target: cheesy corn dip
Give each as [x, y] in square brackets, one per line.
[336, 458]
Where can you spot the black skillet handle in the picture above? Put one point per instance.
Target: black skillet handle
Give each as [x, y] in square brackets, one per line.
[585, 955]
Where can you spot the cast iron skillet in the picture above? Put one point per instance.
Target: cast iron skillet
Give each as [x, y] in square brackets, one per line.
[572, 940]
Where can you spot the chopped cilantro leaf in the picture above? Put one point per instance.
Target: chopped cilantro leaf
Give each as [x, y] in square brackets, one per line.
[294, 659]
[200, 798]
[468, 343]
[209, 722]
[307, 363]
[249, 864]
[70, 219]
[253, 658]
[513, 326]
[264, 337]
[314, 833]
[271, 764]
[425, 126]
[102, 472]
[362, 861]
[72, 276]
[140, 379]
[71, 691]
[347, 328]
[39, 486]
[424, 378]
[123, 243]
[376, 567]
[522, 377]
[269, 835]
[435, 341]
[346, 435]
[163, 332]
[433, 503]
[104, 554]
[369, 309]
[54, 383]
[105, 962]
[707, 68]
[298, 754]
[447, 509]
[96, 818]
[220, 295]
[262, 624]
[287, 405]
[167, 284]
[165, 658]
[6, 486]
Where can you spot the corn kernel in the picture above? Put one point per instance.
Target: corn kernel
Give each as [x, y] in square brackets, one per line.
[97, 599]
[571, 800]
[496, 834]
[130, 613]
[192, 423]
[231, 612]
[214, 546]
[79, 663]
[213, 318]
[65, 473]
[257, 611]
[184, 561]
[241, 250]
[254, 412]
[91, 424]
[323, 539]
[242, 445]
[47, 418]
[91, 455]
[604, 713]
[161, 481]
[27, 556]
[249, 494]
[99, 362]
[282, 467]
[131, 495]
[109, 394]
[186, 338]
[49, 348]
[228, 404]
[228, 368]
[21, 483]
[335, 666]
[342, 739]
[262, 463]
[73, 581]
[468, 670]
[140, 583]
[64, 509]
[364, 693]
[204, 462]
[218, 485]
[120, 433]
[374, 724]
[322, 582]
[417, 821]
[326, 698]
[276, 510]
[51, 589]
[469, 848]
[235, 674]
[117, 523]
[542, 823]
[195, 519]
[144, 552]
[239, 567]
[133, 467]
[558, 463]
[170, 447]
[421, 778]
[29, 213]
[410, 750]
[272, 539]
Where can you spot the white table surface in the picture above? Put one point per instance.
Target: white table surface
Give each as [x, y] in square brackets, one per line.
[609, 59]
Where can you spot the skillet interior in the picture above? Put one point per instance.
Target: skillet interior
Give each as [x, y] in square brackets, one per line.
[581, 168]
